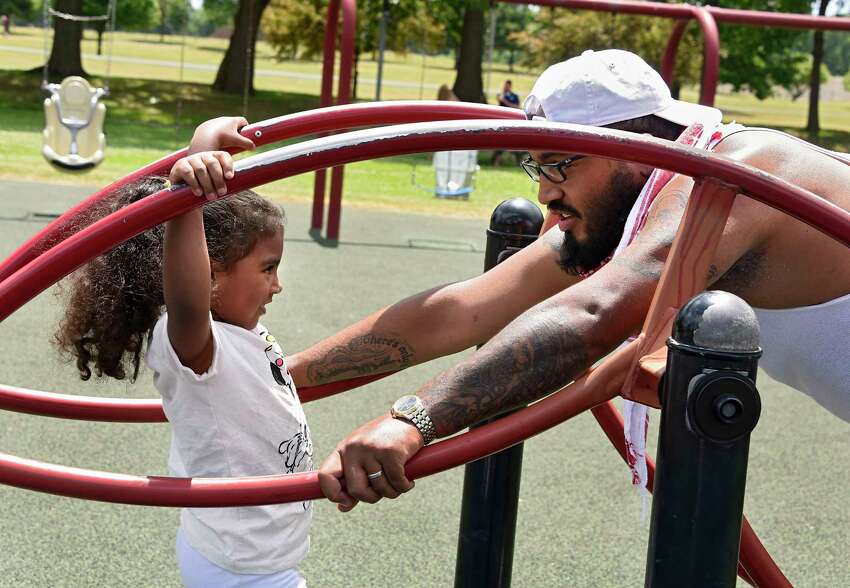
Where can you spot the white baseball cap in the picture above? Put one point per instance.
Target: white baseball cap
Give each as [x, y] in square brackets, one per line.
[603, 87]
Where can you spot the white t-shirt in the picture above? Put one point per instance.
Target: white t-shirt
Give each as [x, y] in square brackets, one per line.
[240, 418]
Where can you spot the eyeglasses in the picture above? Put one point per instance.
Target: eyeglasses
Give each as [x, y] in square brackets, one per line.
[554, 172]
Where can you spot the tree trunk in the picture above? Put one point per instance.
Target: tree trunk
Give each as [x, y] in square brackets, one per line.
[676, 89]
[813, 124]
[356, 72]
[239, 57]
[469, 85]
[99, 27]
[163, 13]
[65, 59]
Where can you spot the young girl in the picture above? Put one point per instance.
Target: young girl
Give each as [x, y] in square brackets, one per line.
[224, 383]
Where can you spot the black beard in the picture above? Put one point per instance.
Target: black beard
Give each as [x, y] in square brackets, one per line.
[605, 224]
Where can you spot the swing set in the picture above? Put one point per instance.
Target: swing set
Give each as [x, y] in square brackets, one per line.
[73, 138]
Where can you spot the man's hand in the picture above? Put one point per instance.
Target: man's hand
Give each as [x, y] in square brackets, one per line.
[383, 445]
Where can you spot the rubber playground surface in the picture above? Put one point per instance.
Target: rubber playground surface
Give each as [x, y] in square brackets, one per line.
[579, 519]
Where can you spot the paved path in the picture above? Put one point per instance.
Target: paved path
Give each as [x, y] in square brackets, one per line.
[579, 519]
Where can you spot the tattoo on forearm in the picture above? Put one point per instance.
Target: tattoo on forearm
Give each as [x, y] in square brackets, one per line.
[367, 354]
[507, 372]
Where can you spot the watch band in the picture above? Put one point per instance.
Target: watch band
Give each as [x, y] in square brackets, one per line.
[423, 422]
[411, 409]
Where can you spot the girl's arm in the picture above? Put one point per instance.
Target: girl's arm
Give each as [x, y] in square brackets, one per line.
[186, 263]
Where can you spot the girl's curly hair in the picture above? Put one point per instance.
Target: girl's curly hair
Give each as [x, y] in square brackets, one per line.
[115, 300]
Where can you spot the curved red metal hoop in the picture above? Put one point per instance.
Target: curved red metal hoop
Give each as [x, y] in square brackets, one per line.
[730, 15]
[131, 410]
[710, 55]
[185, 492]
[277, 129]
[352, 147]
[372, 143]
[589, 391]
[74, 251]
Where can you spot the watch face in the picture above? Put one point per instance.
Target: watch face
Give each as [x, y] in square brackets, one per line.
[406, 404]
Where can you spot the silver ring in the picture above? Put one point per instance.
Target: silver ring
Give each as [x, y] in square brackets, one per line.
[376, 475]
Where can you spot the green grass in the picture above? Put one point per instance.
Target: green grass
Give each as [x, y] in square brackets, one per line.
[206, 53]
[139, 131]
[151, 113]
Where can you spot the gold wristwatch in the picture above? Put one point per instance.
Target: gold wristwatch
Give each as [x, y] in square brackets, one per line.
[411, 409]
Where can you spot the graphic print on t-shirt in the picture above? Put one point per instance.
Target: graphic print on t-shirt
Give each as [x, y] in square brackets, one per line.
[275, 356]
[296, 450]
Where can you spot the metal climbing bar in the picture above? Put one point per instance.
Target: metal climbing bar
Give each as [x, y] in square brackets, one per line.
[726, 15]
[308, 156]
[132, 410]
[587, 392]
[414, 138]
[346, 69]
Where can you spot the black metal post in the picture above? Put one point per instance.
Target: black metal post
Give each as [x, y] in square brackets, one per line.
[485, 547]
[710, 406]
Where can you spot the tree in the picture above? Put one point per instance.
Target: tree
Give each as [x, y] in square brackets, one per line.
[236, 71]
[469, 84]
[22, 9]
[408, 24]
[213, 15]
[836, 52]
[419, 31]
[65, 59]
[295, 28]
[558, 34]
[760, 59]
[369, 15]
[813, 122]
[130, 15]
[510, 20]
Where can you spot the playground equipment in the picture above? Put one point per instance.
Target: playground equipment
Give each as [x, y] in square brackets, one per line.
[706, 16]
[454, 174]
[485, 547]
[635, 370]
[73, 138]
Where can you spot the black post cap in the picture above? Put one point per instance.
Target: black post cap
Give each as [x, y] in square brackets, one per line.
[516, 216]
[717, 321]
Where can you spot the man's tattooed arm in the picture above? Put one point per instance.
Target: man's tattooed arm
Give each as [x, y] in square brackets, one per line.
[367, 354]
[553, 343]
[536, 354]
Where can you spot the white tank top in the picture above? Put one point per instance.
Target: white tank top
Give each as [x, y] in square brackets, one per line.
[807, 348]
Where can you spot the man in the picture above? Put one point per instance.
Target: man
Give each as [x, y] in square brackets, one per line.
[510, 100]
[507, 97]
[553, 309]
